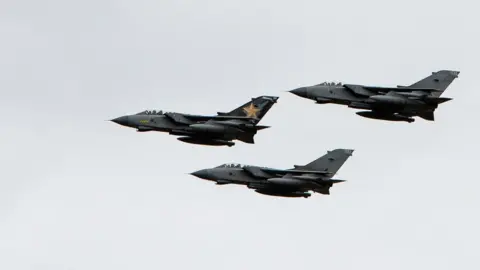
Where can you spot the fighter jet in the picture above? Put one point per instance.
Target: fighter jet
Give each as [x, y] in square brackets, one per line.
[400, 103]
[219, 130]
[315, 176]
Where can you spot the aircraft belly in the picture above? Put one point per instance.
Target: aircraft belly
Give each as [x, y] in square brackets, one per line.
[281, 193]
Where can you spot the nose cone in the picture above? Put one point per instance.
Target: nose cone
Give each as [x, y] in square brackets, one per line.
[203, 174]
[122, 120]
[301, 92]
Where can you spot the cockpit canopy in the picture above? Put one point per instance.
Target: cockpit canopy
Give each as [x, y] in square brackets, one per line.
[331, 83]
[238, 165]
[151, 112]
[231, 165]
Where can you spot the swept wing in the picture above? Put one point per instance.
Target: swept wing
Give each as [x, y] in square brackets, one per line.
[296, 172]
[364, 90]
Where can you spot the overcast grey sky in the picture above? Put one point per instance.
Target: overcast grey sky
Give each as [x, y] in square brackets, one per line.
[80, 193]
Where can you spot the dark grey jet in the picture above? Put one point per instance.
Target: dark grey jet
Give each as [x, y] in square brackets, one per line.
[315, 176]
[240, 124]
[399, 103]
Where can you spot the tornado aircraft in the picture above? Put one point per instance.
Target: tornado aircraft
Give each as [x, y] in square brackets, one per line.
[217, 130]
[316, 176]
[400, 103]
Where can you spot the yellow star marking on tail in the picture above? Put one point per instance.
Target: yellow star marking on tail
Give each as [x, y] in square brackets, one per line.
[251, 111]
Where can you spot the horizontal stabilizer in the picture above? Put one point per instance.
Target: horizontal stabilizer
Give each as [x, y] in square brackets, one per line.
[437, 100]
[222, 113]
[261, 127]
[333, 181]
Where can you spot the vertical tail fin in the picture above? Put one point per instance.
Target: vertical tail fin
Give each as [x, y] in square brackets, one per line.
[257, 108]
[439, 80]
[331, 162]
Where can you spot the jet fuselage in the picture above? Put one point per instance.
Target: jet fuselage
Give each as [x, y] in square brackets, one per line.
[221, 129]
[400, 103]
